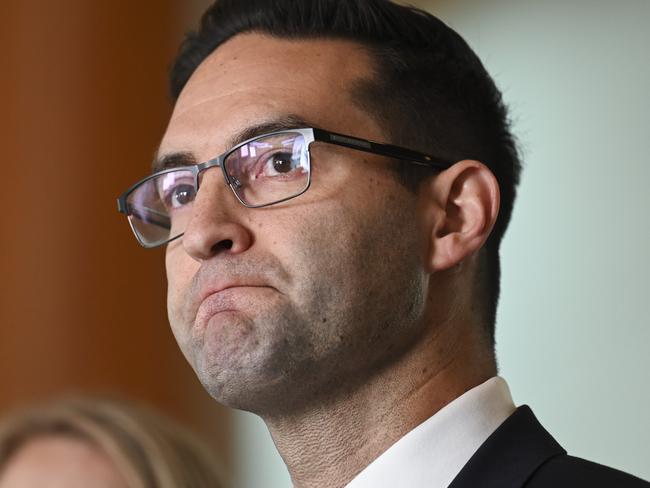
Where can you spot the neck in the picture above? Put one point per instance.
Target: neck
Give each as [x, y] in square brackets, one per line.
[328, 445]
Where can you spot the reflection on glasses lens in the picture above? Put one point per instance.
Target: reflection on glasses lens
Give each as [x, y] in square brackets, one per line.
[267, 170]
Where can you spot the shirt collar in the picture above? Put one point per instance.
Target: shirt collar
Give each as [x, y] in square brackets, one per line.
[432, 454]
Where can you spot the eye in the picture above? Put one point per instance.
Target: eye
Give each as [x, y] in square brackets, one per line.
[279, 163]
[180, 195]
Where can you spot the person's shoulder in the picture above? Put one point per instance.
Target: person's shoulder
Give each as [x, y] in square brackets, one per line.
[572, 471]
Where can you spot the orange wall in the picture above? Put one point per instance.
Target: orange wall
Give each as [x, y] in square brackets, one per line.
[84, 103]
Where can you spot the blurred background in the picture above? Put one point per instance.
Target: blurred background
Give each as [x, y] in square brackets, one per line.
[84, 104]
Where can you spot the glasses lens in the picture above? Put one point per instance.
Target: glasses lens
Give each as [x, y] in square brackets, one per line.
[269, 169]
[161, 206]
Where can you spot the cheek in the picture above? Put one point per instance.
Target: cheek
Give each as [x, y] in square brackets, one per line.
[180, 269]
[325, 252]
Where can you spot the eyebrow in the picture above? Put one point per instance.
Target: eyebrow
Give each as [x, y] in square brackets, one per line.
[173, 160]
[187, 158]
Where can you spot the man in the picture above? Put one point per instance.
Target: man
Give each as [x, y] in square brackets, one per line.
[342, 289]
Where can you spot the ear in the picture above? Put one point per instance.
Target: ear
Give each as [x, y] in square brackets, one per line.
[463, 205]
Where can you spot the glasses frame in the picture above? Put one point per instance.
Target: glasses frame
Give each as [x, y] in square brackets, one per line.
[311, 135]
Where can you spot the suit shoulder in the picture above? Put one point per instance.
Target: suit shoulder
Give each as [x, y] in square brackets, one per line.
[575, 472]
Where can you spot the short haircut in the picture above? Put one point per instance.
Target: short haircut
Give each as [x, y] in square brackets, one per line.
[430, 91]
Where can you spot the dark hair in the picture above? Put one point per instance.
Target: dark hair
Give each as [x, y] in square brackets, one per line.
[430, 93]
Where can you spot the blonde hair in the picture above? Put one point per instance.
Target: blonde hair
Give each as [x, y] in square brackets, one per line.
[147, 449]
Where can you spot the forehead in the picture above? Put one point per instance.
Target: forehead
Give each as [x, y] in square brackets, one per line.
[254, 78]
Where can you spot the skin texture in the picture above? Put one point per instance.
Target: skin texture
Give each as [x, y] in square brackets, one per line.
[60, 462]
[350, 316]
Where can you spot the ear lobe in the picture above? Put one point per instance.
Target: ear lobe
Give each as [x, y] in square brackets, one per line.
[468, 199]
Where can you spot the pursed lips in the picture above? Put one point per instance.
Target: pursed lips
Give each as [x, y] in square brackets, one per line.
[219, 288]
[220, 299]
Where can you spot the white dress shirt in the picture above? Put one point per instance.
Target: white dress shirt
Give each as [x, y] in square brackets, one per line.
[433, 453]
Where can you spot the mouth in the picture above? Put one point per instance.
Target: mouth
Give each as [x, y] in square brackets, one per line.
[233, 298]
[228, 290]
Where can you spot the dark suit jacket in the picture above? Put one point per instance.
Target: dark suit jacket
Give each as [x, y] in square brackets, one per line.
[521, 453]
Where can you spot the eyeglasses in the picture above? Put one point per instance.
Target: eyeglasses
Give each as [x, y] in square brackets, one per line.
[262, 171]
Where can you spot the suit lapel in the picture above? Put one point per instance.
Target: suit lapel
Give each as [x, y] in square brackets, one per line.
[510, 455]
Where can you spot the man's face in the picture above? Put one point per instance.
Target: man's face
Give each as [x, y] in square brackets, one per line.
[322, 290]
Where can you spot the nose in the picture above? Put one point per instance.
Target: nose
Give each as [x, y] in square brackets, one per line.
[214, 227]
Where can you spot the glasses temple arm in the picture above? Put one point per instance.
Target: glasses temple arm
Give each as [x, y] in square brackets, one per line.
[388, 150]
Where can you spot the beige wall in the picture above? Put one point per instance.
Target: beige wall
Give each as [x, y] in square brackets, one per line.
[573, 324]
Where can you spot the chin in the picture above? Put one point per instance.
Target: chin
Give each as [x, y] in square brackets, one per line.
[263, 365]
[236, 374]
[241, 390]
[261, 379]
